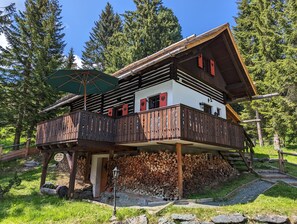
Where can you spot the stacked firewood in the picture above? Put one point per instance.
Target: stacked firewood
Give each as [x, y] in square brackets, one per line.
[156, 173]
[81, 163]
[147, 173]
[204, 171]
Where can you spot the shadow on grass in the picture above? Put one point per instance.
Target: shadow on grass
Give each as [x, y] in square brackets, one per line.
[282, 190]
[15, 205]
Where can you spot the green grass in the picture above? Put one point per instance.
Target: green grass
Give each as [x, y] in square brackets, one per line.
[221, 191]
[281, 199]
[24, 204]
[270, 152]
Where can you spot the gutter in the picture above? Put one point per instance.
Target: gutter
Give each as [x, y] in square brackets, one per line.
[61, 103]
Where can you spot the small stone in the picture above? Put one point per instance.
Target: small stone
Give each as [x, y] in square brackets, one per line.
[232, 218]
[190, 222]
[183, 217]
[142, 219]
[31, 163]
[278, 219]
[164, 220]
[294, 219]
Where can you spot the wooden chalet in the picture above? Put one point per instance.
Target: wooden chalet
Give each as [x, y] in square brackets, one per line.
[177, 97]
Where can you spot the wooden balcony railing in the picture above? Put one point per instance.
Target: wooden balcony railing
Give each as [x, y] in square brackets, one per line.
[179, 122]
[81, 125]
[173, 122]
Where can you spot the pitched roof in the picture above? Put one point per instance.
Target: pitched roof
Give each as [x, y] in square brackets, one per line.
[168, 52]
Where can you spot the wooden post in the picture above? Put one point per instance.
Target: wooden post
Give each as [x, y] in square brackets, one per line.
[111, 154]
[69, 160]
[261, 143]
[87, 168]
[72, 174]
[251, 159]
[46, 158]
[27, 147]
[280, 161]
[179, 170]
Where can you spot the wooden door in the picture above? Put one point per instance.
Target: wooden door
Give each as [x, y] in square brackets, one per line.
[104, 175]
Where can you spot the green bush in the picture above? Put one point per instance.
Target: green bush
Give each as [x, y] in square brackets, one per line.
[15, 181]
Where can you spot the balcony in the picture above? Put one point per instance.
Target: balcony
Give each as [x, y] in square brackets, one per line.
[178, 123]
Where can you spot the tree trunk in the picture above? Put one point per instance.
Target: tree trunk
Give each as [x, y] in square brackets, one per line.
[18, 131]
[276, 141]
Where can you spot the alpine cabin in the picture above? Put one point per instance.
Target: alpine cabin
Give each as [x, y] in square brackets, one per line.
[173, 101]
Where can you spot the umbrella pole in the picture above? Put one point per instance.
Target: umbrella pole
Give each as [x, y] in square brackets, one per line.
[85, 94]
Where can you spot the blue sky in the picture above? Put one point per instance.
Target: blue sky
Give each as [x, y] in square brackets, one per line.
[195, 16]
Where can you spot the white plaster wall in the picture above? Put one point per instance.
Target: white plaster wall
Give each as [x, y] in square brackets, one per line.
[184, 95]
[178, 93]
[152, 91]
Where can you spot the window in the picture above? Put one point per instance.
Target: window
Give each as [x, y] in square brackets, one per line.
[118, 111]
[207, 108]
[218, 112]
[154, 102]
[206, 65]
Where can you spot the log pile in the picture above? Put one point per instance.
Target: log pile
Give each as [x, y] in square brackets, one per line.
[81, 163]
[147, 173]
[156, 173]
[204, 171]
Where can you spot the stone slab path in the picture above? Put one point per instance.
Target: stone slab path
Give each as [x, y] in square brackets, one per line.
[275, 176]
[249, 192]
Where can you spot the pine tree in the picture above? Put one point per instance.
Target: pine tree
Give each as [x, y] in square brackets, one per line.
[35, 50]
[108, 24]
[148, 29]
[261, 35]
[5, 15]
[70, 60]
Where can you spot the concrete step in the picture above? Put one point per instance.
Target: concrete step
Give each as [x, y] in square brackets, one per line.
[273, 176]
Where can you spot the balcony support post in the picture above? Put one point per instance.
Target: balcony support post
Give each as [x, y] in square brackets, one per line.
[72, 174]
[46, 158]
[87, 168]
[179, 169]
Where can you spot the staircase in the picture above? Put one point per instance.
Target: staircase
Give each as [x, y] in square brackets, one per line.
[242, 160]
[236, 160]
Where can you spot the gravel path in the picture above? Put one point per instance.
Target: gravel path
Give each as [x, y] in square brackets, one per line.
[246, 194]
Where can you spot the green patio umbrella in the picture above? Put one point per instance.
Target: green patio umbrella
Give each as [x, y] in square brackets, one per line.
[82, 82]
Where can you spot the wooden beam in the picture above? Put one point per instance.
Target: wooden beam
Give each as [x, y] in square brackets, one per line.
[235, 63]
[179, 170]
[259, 130]
[257, 97]
[233, 86]
[72, 175]
[87, 170]
[111, 154]
[69, 159]
[250, 121]
[46, 158]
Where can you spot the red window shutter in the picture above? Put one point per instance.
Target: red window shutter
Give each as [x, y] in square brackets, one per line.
[110, 112]
[212, 68]
[143, 104]
[200, 61]
[163, 99]
[125, 109]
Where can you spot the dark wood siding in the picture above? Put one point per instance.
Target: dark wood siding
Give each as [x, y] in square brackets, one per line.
[124, 94]
[199, 86]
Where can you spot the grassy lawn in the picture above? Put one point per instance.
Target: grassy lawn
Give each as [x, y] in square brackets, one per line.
[270, 152]
[24, 204]
[281, 199]
[221, 191]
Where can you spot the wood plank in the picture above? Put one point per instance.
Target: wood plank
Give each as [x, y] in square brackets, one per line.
[179, 170]
[72, 175]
